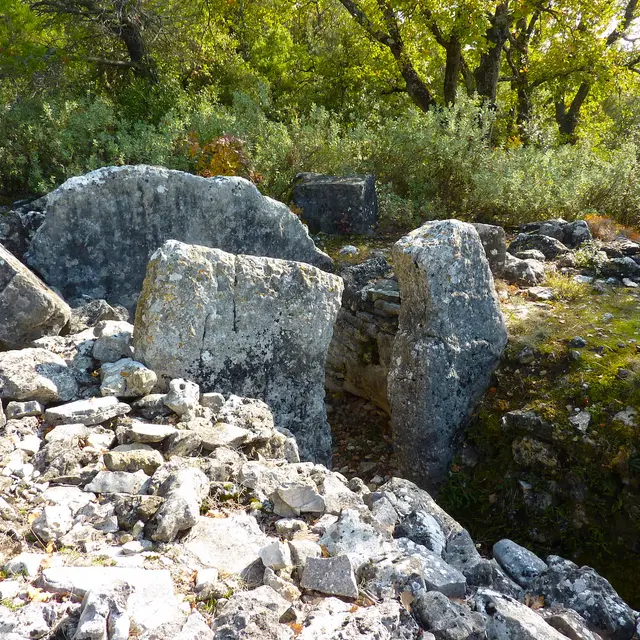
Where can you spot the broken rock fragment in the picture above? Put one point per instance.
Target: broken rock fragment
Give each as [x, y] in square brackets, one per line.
[28, 308]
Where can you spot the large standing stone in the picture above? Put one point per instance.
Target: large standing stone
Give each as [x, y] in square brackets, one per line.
[337, 204]
[256, 327]
[101, 228]
[450, 338]
[28, 308]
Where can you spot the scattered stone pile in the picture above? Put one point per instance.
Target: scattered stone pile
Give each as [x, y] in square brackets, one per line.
[555, 243]
[188, 514]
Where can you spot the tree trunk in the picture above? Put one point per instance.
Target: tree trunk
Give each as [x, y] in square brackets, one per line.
[519, 62]
[568, 120]
[416, 88]
[143, 63]
[452, 70]
[488, 71]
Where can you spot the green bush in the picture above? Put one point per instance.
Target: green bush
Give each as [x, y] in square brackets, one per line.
[433, 165]
[44, 143]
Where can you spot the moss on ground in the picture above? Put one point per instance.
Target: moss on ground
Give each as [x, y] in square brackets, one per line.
[587, 506]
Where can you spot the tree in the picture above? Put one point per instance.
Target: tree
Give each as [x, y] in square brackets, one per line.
[568, 114]
[129, 21]
[390, 36]
[475, 31]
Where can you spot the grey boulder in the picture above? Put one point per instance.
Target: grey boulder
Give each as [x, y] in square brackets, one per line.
[87, 412]
[450, 338]
[183, 492]
[36, 374]
[253, 615]
[126, 378]
[256, 327]
[445, 619]
[589, 594]
[520, 564]
[337, 204]
[527, 273]
[28, 308]
[550, 247]
[113, 340]
[508, 619]
[152, 601]
[422, 528]
[495, 246]
[101, 228]
[333, 576]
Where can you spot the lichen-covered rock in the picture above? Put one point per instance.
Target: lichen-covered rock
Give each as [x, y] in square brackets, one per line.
[253, 615]
[422, 528]
[333, 576]
[508, 619]
[36, 374]
[113, 340]
[585, 591]
[445, 619]
[228, 544]
[132, 458]
[28, 308]
[183, 492]
[528, 272]
[495, 246]
[88, 412]
[450, 338]
[88, 314]
[77, 351]
[126, 378]
[101, 228]
[521, 565]
[257, 327]
[551, 247]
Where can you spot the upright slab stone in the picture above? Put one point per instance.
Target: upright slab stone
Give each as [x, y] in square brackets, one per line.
[337, 204]
[495, 246]
[28, 308]
[254, 327]
[450, 338]
[100, 229]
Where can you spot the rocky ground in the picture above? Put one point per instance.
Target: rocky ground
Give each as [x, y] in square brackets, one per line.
[136, 506]
[573, 362]
[189, 515]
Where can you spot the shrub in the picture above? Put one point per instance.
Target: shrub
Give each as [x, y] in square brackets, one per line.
[427, 165]
[590, 256]
[606, 229]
